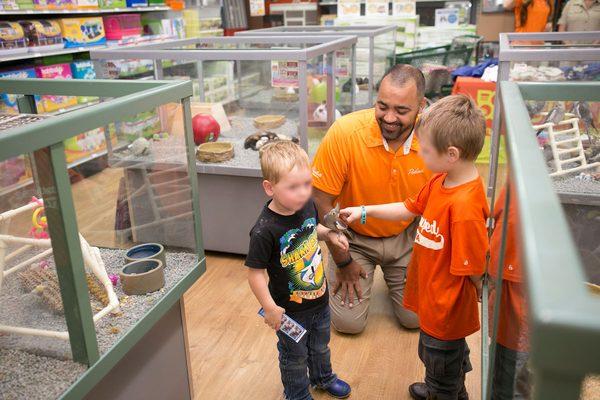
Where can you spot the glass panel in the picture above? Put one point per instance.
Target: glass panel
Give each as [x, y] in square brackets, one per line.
[511, 376]
[320, 83]
[550, 70]
[135, 204]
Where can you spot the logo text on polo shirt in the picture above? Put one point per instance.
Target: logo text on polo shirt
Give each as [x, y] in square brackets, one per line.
[316, 173]
[415, 171]
[428, 235]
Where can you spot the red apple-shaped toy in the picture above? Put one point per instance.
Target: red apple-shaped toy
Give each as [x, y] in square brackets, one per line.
[206, 129]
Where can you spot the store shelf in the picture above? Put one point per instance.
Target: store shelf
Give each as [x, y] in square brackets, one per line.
[74, 50]
[25, 56]
[26, 182]
[85, 11]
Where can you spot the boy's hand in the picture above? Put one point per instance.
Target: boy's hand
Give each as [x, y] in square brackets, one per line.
[339, 240]
[273, 317]
[350, 214]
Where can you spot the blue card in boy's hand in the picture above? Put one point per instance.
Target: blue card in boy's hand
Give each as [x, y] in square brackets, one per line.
[288, 326]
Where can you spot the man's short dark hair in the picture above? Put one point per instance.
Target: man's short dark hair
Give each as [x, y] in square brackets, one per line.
[401, 74]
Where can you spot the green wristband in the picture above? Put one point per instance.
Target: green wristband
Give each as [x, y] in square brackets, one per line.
[363, 215]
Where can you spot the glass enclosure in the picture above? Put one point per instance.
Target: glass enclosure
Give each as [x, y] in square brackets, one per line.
[567, 131]
[545, 245]
[256, 86]
[543, 302]
[87, 251]
[375, 54]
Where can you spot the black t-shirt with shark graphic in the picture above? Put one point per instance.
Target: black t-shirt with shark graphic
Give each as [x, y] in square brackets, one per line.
[288, 248]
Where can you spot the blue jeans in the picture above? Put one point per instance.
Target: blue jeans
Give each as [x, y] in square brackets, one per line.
[311, 353]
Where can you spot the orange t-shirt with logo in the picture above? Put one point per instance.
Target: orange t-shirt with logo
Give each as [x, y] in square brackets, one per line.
[513, 327]
[451, 244]
[354, 164]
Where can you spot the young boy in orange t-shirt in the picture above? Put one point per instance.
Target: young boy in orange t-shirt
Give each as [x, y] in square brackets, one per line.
[444, 276]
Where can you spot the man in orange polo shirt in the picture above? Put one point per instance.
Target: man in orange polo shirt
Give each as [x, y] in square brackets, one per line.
[370, 157]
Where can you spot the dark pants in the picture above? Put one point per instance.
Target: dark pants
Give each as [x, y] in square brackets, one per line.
[446, 363]
[310, 354]
[512, 379]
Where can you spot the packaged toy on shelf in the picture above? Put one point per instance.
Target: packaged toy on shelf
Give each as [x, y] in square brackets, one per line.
[83, 69]
[43, 35]
[12, 38]
[137, 3]
[87, 4]
[85, 145]
[81, 32]
[8, 102]
[122, 26]
[57, 71]
[108, 4]
[145, 124]
[54, 4]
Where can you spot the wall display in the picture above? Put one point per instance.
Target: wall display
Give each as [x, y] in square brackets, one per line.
[446, 17]
[348, 8]
[401, 8]
[257, 8]
[376, 8]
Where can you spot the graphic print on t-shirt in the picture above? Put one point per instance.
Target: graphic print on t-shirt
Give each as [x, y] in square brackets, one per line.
[301, 257]
[429, 236]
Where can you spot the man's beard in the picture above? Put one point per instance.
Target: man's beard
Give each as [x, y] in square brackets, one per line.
[402, 131]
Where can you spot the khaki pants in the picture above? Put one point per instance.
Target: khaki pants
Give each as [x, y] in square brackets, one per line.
[392, 255]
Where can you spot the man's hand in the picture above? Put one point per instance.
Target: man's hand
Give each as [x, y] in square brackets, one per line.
[350, 214]
[273, 317]
[348, 281]
[339, 240]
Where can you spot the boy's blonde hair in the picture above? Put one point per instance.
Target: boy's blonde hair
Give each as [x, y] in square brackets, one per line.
[279, 158]
[454, 121]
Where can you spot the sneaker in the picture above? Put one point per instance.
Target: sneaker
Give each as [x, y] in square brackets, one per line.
[418, 391]
[338, 389]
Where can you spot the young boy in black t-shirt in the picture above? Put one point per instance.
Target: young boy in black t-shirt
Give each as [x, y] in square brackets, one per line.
[285, 242]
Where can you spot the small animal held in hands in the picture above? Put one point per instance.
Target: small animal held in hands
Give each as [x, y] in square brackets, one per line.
[258, 140]
[333, 221]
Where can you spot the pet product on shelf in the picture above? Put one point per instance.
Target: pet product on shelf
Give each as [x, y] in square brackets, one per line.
[153, 251]
[12, 38]
[269, 121]
[258, 140]
[87, 4]
[82, 32]
[43, 35]
[137, 3]
[8, 102]
[215, 152]
[122, 26]
[108, 4]
[92, 260]
[56, 71]
[142, 276]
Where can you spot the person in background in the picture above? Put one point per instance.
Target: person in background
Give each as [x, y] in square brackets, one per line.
[580, 15]
[530, 15]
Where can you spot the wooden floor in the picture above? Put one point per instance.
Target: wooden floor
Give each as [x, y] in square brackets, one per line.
[233, 353]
